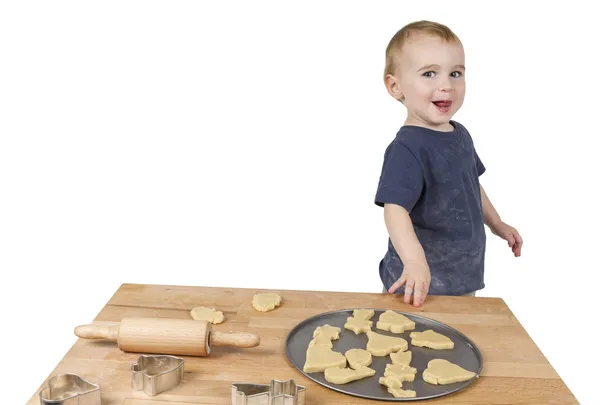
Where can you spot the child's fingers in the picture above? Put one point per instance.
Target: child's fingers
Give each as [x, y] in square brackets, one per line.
[410, 285]
[420, 294]
[518, 244]
[518, 238]
[510, 239]
[397, 284]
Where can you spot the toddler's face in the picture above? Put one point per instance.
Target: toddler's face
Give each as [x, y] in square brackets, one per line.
[430, 80]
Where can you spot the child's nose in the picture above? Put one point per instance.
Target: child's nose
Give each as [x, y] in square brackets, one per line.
[446, 85]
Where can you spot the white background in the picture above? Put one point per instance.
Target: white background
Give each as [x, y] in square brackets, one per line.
[240, 145]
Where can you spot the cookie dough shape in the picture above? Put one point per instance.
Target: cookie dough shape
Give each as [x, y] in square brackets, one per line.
[365, 314]
[327, 332]
[394, 386]
[440, 371]
[358, 358]
[320, 358]
[322, 340]
[400, 371]
[339, 375]
[207, 314]
[264, 302]
[394, 322]
[382, 345]
[403, 358]
[391, 381]
[400, 393]
[358, 325]
[431, 339]
[324, 335]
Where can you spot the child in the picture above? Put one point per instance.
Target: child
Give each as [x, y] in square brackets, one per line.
[434, 206]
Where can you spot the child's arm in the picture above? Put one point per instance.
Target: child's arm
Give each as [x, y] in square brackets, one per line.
[416, 273]
[498, 227]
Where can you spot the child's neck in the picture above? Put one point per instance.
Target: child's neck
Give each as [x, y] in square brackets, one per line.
[443, 127]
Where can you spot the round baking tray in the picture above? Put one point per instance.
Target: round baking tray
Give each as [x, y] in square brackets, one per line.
[464, 354]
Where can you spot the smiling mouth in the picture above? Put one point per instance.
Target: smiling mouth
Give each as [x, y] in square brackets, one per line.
[443, 105]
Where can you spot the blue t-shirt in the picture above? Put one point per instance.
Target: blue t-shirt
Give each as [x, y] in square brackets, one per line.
[434, 175]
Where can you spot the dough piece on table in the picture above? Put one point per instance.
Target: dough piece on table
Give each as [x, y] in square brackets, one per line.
[403, 358]
[358, 325]
[365, 314]
[339, 375]
[207, 314]
[440, 371]
[394, 322]
[320, 357]
[382, 345]
[264, 302]
[431, 339]
[405, 373]
[327, 332]
[358, 357]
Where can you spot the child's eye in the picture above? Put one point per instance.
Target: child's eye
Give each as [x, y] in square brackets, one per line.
[456, 74]
[429, 74]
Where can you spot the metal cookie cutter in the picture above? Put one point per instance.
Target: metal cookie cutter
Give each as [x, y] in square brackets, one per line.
[70, 389]
[157, 373]
[276, 393]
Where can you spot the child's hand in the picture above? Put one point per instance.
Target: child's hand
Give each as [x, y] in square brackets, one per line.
[417, 277]
[509, 234]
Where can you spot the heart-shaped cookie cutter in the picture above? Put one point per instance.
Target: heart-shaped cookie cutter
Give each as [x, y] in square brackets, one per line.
[156, 373]
[276, 393]
[69, 389]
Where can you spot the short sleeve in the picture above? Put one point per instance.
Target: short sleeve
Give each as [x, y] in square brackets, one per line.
[401, 181]
[479, 165]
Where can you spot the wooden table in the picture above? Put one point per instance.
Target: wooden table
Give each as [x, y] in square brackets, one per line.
[514, 372]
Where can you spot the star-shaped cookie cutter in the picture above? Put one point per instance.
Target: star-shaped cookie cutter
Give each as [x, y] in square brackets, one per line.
[276, 393]
[69, 389]
[156, 373]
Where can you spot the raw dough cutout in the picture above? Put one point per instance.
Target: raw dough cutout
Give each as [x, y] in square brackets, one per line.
[323, 340]
[264, 302]
[403, 358]
[431, 339]
[440, 371]
[328, 331]
[207, 314]
[382, 345]
[391, 381]
[320, 357]
[405, 373]
[338, 375]
[358, 325]
[365, 314]
[400, 393]
[394, 385]
[394, 322]
[324, 335]
[358, 357]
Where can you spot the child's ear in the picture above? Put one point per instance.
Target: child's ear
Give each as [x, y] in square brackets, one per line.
[393, 87]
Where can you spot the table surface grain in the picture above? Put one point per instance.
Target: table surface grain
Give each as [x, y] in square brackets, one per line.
[514, 371]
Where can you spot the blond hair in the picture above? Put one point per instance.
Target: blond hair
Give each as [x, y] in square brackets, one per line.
[407, 32]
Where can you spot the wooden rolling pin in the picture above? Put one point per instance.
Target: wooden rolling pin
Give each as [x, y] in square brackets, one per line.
[186, 337]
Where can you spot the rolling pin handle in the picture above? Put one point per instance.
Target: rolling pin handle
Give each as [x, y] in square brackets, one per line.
[236, 339]
[98, 332]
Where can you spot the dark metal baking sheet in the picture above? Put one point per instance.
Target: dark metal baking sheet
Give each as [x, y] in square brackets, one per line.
[465, 354]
